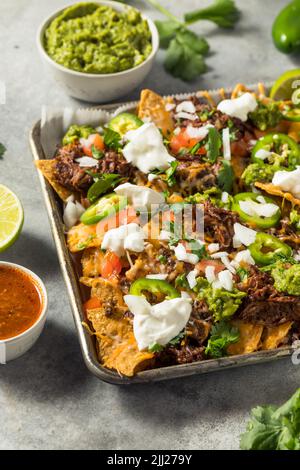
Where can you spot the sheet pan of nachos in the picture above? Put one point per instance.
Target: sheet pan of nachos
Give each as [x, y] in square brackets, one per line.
[177, 225]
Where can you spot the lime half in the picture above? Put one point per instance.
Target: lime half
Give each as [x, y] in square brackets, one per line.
[283, 87]
[11, 217]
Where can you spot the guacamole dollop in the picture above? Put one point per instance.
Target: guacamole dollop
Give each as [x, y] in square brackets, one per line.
[266, 116]
[258, 172]
[75, 133]
[286, 279]
[222, 303]
[295, 219]
[96, 39]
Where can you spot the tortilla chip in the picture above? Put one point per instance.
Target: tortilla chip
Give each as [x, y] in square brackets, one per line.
[294, 131]
[108, 292]
[249, 338]
[47, 168]
[273, 336]
[91, 262]
[153, 107]
[276, 191]
[116, 344]
[83, 236]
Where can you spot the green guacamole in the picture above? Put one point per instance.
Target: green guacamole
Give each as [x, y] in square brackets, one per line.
[266, 116]
[96, 39]
[286, 280]
[75, 133]
[258, 172]
[222, 303]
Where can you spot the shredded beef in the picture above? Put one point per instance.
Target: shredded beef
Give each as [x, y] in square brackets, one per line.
[191, 349]
[286, 233]
[201, 311]
[216, 118]
[185, 354]
[72, 176]
[218, 225]
[259, 285]
[271, 312]
[264, 305]
[68, 172]
[197, 329]
[113, 162]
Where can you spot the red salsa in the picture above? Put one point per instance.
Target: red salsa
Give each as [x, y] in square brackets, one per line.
[20, 302]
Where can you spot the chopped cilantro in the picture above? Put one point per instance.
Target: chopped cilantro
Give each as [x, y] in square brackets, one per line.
[97, 154]
[112, 139]
[155, 348]
[170, 173]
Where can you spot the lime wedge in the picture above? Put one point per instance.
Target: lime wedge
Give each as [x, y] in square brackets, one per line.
[11, 217]
[282, 88]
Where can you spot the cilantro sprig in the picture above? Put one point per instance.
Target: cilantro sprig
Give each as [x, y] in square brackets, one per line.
[222, 335]
[185, 50]
[225, 177]
[112, 139]
[272, 428]
[170, 173]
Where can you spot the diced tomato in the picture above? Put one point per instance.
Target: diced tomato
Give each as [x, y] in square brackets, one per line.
[168, 216]
[182, 141]
[92, 303]
[127, 216]
[93, 140]
[111, 265]
[202, 265]
[124, 217]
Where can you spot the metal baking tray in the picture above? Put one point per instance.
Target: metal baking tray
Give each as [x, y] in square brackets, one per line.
[87, 344]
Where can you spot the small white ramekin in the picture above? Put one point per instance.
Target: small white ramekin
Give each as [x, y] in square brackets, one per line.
[14, 347]
[97, 88]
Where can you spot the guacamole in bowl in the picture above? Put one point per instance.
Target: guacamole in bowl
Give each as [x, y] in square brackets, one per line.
[98, 39]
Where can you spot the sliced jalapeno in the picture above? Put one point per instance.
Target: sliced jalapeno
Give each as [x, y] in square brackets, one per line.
[125, 122]
[105, 207]
[255, 220]
[267, 249]
[154, 286]
[292, 114]
[281, 144]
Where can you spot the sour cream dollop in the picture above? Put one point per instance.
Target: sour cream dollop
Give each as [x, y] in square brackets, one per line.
[157, 324]
[239, 107]
[146, 149]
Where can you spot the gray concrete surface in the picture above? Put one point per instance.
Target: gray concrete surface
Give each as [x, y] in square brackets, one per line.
[48, 399]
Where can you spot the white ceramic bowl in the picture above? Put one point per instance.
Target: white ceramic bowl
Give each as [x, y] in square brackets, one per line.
[97, 88]
[16, 346]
